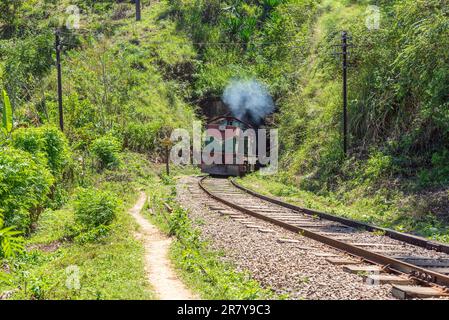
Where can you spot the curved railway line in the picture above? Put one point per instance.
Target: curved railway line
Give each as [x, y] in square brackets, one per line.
[414, 266]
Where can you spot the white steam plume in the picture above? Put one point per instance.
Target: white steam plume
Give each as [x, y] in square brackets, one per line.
[248, 100]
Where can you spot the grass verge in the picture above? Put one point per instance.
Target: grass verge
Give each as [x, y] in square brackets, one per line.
[376, 210]
[201, 268]
[56, 266]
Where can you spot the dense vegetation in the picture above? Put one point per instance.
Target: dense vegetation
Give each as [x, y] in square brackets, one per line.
[126, 85]
[115, 96]
[397, 166]
[64, 195]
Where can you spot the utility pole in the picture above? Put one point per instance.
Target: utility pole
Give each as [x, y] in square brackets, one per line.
[166, 144]
[167, 160]
[344, 45]
[138, 15]
[58, 48]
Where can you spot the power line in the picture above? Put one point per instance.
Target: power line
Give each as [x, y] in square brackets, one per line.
[187, 42]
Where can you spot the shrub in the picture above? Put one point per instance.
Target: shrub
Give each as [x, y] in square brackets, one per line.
[105, 150]
[141, 137]
[378, 165]
[59, 197]
[56, 148]
[24, 186]
[93, 235]
[178, 223]
[438, 174]
[29, 140]
[47, 144]
[94, 208]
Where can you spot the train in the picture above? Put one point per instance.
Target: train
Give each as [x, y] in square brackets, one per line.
[231, 159]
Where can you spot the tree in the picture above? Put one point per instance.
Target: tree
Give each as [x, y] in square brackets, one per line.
[10, 15]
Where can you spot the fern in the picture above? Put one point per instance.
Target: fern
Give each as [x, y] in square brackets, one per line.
[11, 242]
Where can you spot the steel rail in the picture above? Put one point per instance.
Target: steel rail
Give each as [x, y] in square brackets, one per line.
[419, 274]
[404, 237]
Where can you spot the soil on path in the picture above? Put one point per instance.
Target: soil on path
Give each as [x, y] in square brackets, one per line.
[159, 270]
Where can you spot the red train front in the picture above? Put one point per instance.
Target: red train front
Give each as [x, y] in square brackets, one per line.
[228, 147]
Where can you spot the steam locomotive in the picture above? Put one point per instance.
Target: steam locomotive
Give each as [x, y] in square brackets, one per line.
[224, 137]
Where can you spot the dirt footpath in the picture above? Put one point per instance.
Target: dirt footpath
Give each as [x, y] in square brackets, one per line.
[159, 270]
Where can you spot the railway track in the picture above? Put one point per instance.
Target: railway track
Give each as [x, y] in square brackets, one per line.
[415, 267]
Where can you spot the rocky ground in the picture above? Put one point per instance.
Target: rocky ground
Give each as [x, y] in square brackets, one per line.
[298, 269]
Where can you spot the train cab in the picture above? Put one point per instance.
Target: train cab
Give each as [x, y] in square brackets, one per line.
[229, 148]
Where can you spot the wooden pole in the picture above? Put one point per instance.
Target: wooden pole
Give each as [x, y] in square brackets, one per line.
[167, 160]
[344, 39]
[58, 66]
[138, 11]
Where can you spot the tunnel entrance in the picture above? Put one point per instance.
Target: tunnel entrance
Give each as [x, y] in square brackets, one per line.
[213, 107]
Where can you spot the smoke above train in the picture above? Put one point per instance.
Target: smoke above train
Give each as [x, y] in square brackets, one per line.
[248, 100]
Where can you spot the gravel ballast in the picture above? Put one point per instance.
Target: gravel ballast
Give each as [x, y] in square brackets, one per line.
[298, 268]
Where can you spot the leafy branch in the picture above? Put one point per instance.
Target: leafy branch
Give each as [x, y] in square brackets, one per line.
[11, 242]
[7, 121]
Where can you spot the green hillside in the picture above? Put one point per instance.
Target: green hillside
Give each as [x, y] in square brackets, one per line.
[396, 172]
[126, 85]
